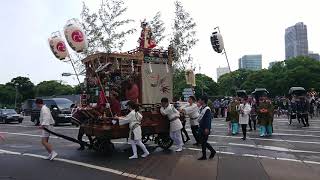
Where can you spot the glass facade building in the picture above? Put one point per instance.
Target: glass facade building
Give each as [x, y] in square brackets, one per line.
[221, 71]
[296, 41]
[251, 62]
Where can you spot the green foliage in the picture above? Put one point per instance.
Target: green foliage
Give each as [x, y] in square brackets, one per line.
[158, 28]
[229, 83]
[51, 88]
[184, 37]
[299, 71]
[106, 29]
[24, 86]
[179, 83]
[20, 86]
[7, 96]
[204, 84]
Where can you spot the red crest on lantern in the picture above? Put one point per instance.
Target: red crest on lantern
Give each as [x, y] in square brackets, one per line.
[58, 46]
[75, 35]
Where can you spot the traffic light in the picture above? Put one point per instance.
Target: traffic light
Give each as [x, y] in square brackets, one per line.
[217, 42]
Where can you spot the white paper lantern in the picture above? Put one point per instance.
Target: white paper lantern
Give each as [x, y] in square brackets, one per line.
[58, 46]
[75, 35]
[217, 42]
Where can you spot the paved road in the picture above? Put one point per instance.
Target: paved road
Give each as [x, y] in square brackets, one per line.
[291, 153]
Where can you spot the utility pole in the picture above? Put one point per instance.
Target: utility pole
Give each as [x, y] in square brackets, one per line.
[15, 99]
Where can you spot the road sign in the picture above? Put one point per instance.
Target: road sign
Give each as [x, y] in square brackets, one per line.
[188, 93]
[188, 89]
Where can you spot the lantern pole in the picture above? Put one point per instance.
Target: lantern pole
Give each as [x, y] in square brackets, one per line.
[75, 71]
[224, 50]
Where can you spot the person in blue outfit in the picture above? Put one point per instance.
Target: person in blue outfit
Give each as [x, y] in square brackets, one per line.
[205, 118]
[233, 116]
[265, 116]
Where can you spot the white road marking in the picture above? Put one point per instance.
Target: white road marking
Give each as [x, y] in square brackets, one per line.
[31, 135]
[250, 155]
[267, 157]
[299, 135]
[9, 152]
[297, 130]
[214, 142]
[264, 157]
[286, 159]
[35, 127]
[274, 148]
[114, 171]
[223, 152]
[246, 145]
[264, 139]
[286, 120]
[311, 162]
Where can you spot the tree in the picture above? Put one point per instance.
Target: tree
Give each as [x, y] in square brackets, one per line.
[184, 37]
[179, 83]
[105, 31]
[229, 83]
[24, 88]
[299, 71]
[204, 85]
[92, 30]
[51, 88]
[7, 96]
[112, 25]
[158, 29]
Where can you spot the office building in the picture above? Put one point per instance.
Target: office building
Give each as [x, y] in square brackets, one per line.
[314, 56]
[251, 62]
[296, 41]
[221, 71]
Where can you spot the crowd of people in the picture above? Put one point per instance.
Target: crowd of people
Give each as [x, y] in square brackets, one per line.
[198, 113]
[238, 111]
[284, 104]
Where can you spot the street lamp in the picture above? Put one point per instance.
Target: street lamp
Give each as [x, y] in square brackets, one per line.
[15, 100]
[67, 74]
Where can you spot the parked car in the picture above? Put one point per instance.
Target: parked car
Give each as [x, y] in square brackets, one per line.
[10, 115]
[60, 110]
[27, 107]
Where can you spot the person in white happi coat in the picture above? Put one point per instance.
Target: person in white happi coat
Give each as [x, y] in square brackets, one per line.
[191, 112]
[46, 122]
[245, 109]
[135, 134]
[175, 123]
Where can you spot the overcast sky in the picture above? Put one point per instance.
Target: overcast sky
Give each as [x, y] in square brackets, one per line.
[247, 26]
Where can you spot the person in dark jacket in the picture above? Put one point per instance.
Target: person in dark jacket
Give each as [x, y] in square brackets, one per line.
[302, 111]
[205, 118]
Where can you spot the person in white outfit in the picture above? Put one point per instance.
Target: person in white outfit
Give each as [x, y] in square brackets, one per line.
[135, 134]
[191, 112]
[46, 122]
[175, 123]
[245, 109]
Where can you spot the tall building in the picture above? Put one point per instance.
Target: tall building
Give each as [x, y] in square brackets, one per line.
[314, 56]
[221, 71]
[251, 62]
[296, 40]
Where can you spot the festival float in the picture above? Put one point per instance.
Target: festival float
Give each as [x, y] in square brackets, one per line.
[143, 75]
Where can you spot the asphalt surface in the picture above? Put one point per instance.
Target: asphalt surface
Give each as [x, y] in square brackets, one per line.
[293, 152]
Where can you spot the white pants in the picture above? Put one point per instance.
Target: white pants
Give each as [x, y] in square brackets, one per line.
[134, 144]
[46, 134]
[177, 138]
